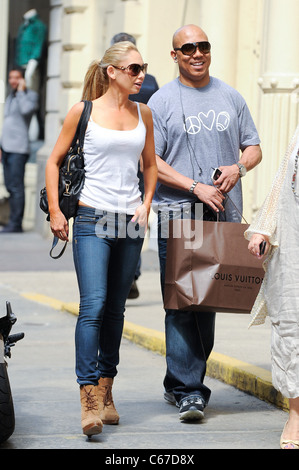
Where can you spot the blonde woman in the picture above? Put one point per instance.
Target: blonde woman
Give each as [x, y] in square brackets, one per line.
[277, 224]
[111, 220]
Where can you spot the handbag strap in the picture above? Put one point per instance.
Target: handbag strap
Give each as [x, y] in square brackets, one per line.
[55, 241]
[78, 140]
[82, 125]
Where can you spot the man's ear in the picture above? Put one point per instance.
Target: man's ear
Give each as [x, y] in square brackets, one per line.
[174, 56]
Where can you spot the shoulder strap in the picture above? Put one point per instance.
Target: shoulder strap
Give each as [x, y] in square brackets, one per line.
[79, 137]
[82, 124]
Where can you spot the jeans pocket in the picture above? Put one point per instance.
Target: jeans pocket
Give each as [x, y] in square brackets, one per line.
[84, 225]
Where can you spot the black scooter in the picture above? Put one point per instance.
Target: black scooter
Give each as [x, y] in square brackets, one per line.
[7, 415]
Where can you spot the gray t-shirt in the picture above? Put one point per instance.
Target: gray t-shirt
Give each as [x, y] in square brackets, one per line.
[198, 129]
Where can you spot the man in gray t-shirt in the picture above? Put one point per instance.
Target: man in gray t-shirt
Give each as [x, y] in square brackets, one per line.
[197, 130]
[20, 105]
[200, 124]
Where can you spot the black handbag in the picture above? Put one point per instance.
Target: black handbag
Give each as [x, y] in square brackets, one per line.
[71, 175]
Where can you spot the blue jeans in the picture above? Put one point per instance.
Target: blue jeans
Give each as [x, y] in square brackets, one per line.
[14, 172]
[189, 334]
[105, 256]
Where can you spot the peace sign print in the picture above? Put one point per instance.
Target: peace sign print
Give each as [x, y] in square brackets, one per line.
[194, 124]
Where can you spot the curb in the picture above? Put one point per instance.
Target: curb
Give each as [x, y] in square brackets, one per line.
[241, 375]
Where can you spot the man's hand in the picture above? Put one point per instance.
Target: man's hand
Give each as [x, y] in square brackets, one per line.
[228, 178]
[251, 157]
[22, 85]
[210, 196]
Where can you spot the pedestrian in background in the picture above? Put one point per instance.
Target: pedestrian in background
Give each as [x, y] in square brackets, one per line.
[148, 88]
[20, 105]
[111, 220]
[200, 123]
[277, 224]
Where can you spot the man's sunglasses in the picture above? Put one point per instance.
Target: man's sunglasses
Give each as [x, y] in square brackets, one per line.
[133, 69]
[190, 47]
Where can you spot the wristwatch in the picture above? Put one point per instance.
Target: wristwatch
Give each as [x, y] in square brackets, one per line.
[193, 186]
[242, 170]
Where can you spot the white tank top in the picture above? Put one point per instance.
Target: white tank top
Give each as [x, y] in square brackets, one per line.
[111, 165]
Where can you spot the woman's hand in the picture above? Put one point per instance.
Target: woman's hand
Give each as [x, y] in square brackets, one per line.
[141, 216]
[254, 244]
[59, 225]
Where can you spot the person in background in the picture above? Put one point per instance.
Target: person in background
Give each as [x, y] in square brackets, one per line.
[20, 105]
[111, 220]
[277, 226]
[200, 123]
[149, 87]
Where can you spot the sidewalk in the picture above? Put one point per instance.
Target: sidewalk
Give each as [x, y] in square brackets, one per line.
[241, 356]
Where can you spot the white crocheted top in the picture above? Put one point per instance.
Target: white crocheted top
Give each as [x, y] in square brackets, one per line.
[265, 223]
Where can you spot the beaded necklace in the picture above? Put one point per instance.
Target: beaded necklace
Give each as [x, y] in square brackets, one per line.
[295, 174]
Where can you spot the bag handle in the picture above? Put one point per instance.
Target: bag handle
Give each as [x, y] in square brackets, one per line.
[55, 241]
[242, 216]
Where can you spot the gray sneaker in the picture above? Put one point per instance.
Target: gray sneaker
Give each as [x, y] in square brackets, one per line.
[191, 408]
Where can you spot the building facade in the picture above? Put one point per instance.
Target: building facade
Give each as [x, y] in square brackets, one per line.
[254, 49]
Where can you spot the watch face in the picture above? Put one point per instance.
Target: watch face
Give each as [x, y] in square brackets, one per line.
[242, 169]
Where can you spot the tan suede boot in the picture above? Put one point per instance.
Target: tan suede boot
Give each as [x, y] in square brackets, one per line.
[90, 413]
[108, 412]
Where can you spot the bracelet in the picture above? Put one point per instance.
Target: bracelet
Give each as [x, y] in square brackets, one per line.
[193, 186]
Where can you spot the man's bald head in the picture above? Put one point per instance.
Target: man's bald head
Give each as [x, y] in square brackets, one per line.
[187, 33]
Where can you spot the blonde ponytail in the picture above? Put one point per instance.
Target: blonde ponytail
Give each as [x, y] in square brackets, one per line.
[95, 82]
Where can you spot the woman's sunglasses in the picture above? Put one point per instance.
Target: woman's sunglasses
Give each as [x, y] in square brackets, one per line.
[189, 48]
[133, 69]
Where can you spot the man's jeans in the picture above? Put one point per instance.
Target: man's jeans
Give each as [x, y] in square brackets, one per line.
[105, 256]
[14, 172]
[189, 335]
